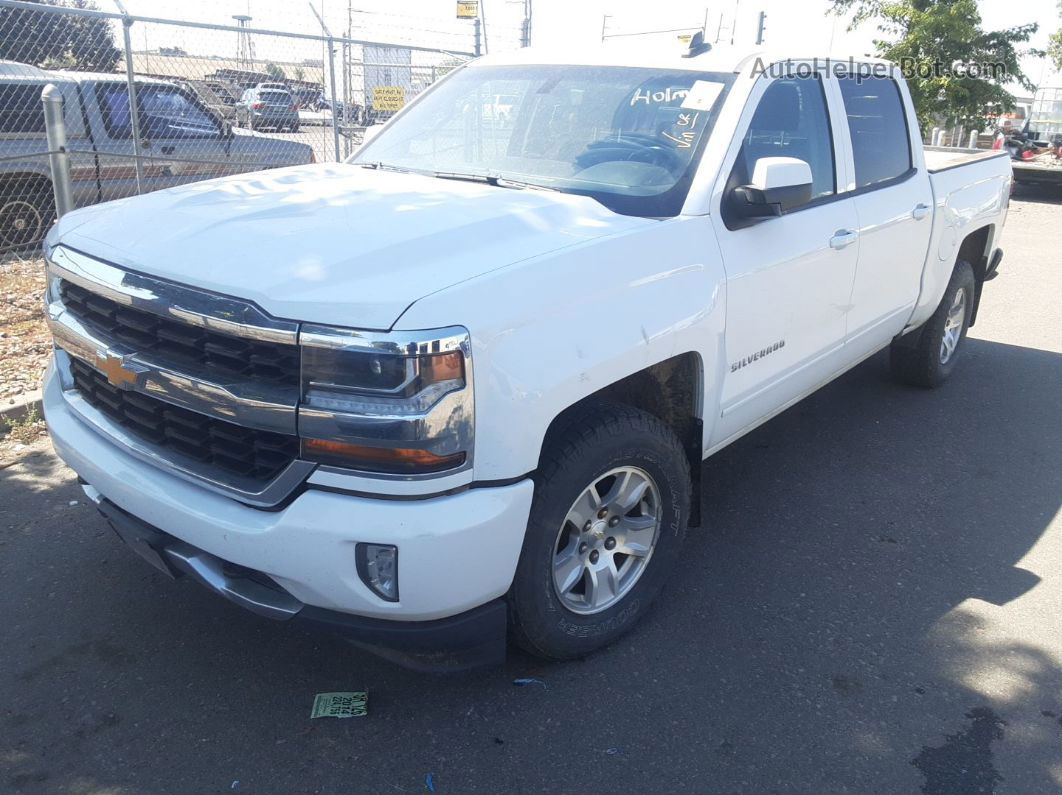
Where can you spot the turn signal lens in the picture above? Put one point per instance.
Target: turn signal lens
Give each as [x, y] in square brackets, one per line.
[394, 460]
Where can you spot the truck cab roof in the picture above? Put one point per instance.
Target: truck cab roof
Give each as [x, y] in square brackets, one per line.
[720, 58]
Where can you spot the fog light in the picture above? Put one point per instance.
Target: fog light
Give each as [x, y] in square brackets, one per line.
[378, 568]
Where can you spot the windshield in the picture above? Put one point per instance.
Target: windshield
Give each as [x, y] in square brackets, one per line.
[629, 137]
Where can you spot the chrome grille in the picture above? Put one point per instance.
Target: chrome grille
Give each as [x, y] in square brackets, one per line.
[199, 351]
[204, 386]
[258, 455]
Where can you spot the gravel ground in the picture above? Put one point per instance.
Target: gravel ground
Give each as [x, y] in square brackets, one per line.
[24, 340]
[871, 606]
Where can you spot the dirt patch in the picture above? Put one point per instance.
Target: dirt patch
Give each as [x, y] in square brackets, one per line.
[24, 339]
[24, 347]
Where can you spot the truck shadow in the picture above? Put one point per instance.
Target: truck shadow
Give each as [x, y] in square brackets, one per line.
[834, 626]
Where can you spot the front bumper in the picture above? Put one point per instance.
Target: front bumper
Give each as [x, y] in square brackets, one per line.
[473, 638]
[457, 552]
[281, 117]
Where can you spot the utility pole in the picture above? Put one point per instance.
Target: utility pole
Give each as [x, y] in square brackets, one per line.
[733, 23]
[483, 19]
[604, 25]
[525, 31]
[477, 36]
[761, 28]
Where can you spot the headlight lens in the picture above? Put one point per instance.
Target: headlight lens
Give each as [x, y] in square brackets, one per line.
[378, 382]
[384, 402]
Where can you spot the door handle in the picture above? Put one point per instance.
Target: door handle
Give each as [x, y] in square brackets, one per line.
[920, 211]
[843, 238]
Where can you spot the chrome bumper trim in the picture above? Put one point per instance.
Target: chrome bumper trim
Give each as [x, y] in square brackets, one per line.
[185, 304]
[255, 406]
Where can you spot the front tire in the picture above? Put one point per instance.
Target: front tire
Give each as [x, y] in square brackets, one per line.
[606, 526]
[929, 360]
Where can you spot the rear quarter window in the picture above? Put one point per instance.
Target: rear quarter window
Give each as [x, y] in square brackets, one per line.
[877, 120]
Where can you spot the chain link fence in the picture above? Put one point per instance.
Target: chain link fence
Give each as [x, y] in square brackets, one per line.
[151, 103]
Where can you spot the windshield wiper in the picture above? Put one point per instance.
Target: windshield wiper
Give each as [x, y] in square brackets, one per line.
[457, 175]
[490, 179]
[376, 164]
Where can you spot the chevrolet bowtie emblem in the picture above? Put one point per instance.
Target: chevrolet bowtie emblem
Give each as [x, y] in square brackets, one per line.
[115, 369]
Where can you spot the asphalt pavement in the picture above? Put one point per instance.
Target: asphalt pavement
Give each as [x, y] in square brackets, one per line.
[874, 604]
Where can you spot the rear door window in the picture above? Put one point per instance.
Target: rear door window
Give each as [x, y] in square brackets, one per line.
[877, 120]
[165, 112]
[114, 103]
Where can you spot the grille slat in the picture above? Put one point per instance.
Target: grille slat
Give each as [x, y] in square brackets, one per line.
[196, 351]
[259, 455]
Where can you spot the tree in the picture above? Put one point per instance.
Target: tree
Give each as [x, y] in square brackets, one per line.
[930, 39]
[56, 40]
[275, 71]
[299, 73]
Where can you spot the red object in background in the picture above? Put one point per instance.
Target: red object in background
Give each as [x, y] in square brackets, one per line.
[998, 142]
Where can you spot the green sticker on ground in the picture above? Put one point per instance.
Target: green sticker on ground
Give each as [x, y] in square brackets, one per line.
[340, 705]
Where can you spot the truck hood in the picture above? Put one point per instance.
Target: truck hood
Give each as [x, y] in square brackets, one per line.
[333, 243]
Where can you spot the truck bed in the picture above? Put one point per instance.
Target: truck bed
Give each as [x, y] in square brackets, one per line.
[940, 158]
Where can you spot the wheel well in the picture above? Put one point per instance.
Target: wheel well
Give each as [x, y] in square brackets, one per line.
[669, 390]
[974, 249]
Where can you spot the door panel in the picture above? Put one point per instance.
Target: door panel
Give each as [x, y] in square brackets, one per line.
[893, 201]
[894, 241]
[789, 278]
[786, 301]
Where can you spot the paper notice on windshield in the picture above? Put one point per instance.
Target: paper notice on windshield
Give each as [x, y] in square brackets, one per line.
[702, 95]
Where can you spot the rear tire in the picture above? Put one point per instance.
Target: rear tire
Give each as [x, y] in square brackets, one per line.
[582, 582]
[25, 216]
[929, 360]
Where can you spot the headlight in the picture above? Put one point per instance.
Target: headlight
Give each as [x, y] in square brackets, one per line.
[392, 403]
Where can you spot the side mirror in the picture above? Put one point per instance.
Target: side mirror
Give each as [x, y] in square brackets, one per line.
[778, 184]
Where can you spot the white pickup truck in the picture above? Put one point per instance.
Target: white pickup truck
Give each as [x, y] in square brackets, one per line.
[459, 387]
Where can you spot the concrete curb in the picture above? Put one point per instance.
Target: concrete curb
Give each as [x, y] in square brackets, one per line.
[22, 406]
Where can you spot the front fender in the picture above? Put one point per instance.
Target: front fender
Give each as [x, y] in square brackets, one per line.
[552, 330]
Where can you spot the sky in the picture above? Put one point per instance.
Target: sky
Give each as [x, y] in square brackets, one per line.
[564, 23]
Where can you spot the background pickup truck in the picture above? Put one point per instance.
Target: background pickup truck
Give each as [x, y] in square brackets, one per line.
[176, 128]
[479, 404]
